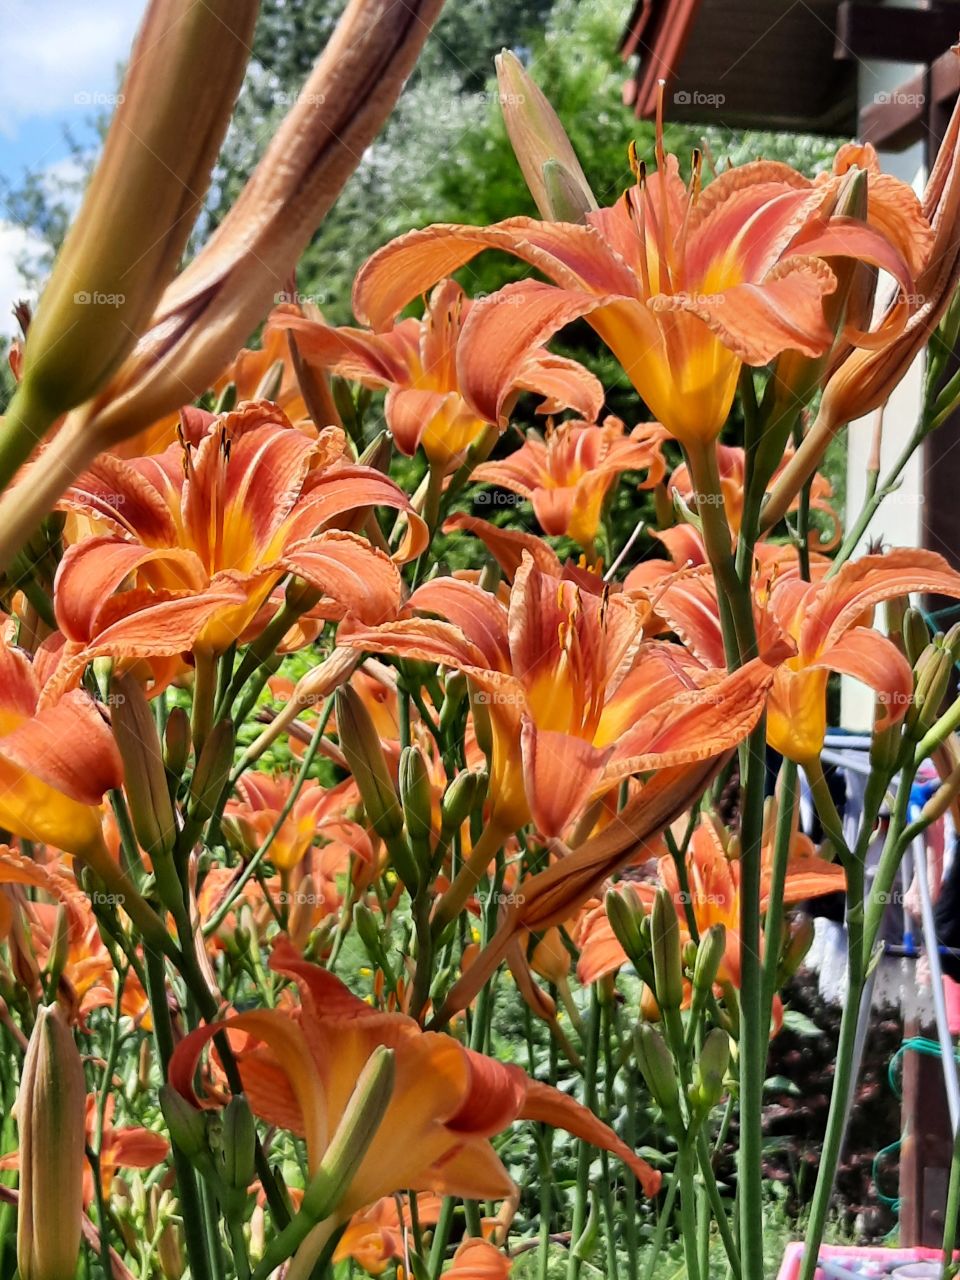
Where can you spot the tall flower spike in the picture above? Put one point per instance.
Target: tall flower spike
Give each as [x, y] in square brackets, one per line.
[212, 307]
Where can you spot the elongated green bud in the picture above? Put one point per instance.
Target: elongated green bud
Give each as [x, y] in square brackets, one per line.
[50, 1111]
[357, 1128]
[145, 778]
[176, 742]
[625, 913]
[710, 952]
[659, 1070]
[933, 672]
[367, 931]
[460, 798]
[799, 940]
[712, 1067]
[455, 693]
[361, 746]
[916, 635]
[238, 1140]
[565, 198]
[212, 772]
[416, 799]
[186, 1124]
[665, 940]
[540, 143]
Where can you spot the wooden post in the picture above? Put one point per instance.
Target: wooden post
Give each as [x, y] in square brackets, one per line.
[927, 1145]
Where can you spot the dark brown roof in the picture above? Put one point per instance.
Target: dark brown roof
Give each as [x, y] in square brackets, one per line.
[742, 63]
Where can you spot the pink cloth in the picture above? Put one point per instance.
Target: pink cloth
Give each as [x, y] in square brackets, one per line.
[951, 991]
[790, 1267]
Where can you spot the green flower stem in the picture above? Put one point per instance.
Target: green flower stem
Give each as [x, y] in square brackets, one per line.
[441, 1235]
[584, 1154]
[950, 1268]
[876, 493]
[689, 1229]
[826, 809]
[191, 1207]
[468, 877]
[864, 918]
[22, 428]
[716, 1204]
[778, 880]
[217, 918]
[754, 1028]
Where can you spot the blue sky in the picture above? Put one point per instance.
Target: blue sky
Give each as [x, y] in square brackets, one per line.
[58, 64]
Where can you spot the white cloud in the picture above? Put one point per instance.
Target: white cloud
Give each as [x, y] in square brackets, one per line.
[14, 242]
[54, 52]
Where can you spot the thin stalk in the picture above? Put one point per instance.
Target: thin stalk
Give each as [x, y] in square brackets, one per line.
[217, 918]
[686, 1176]
[191, 1208]
[754, 1030]
[778, 879]
[950, 1268]
[584, 1154]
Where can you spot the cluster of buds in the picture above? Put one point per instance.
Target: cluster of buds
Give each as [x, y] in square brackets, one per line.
[933, 669]
[402, 813]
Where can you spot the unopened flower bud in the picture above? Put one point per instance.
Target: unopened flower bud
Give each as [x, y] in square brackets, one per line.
[361, 746]
[451, 709]
[712, 1067]
[176, 742]
[933, 672]
[541, 145]
[626, 915]
[357, 1128]
[238, 1139]
[212, 772]
[659, 1070]
[186, 1124]
[799, 940]
[916, 635]
[460, 798]
[300, 923]
[145, 778]
[416, 798]
[665, 940]
[367, 930]
[50, 1111]
[710, 952]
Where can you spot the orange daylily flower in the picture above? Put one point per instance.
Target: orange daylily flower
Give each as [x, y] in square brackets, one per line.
[714, 895]
[568, 474]
[683, 285]
[57, 757]
[714, 878]
[808, 629]
[190, 544]
[479, 1260]
[299, 1066]
[375, 1236]
[575, 700]
[862, 379]
[256, 807]
[732, 465]
[417, 363]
